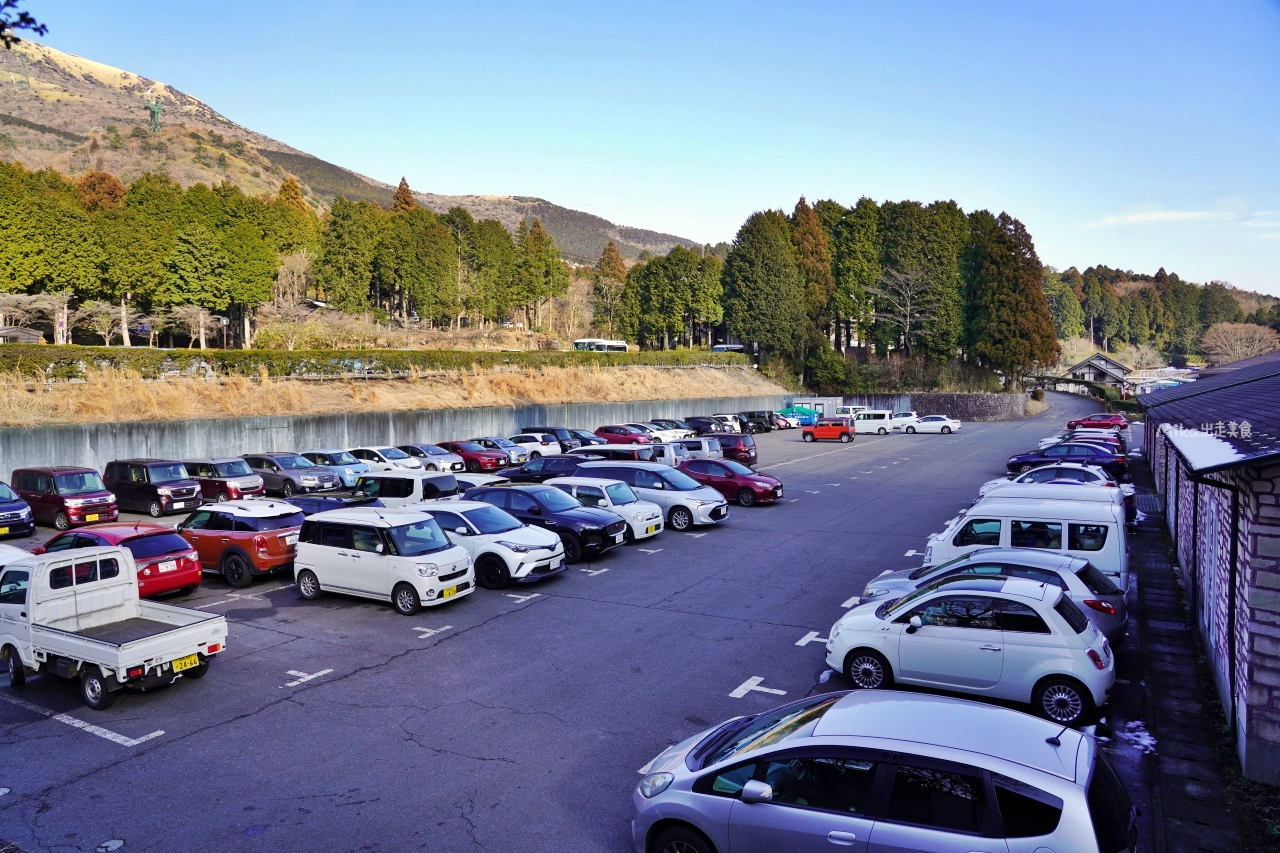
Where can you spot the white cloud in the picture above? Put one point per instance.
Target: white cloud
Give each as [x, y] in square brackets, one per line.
[1148, 217]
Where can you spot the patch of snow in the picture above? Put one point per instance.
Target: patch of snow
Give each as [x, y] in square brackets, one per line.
[1136, 735]
[1201, 449]
[826, 676]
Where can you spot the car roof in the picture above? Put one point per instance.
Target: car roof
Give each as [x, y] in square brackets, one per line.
[453, 506]
[213, 460]
[253, 508]
[145, 461]
[583, 481]
[1029, 508]
[374, 447]
[128, 529]
[371, 515]
[58, 469]
[956, 724]
[1072, 490]
[276, 453]
[1021, 587]
[9, 553]
[1032, 557]
[630, 463]
[323, 450]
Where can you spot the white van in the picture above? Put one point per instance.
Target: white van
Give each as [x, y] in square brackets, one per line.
[1082, 528]
[400, 555]
[403, 488]
[1059, 492]
[873, 420]
[671, 454]
[849, 411]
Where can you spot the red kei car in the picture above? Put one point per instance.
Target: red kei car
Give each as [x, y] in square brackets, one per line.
[840, 429]
[624, 435]
[1102, 420]
[476, 456]
[244, 539]
[165, 561]
[734, 480]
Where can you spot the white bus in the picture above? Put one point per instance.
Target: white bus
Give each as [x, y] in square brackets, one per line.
[599, 345]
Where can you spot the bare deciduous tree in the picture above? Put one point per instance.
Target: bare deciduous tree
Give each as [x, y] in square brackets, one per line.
[56, 307]
[907, 299]
[1228, 342]
[286, 321]
[19, 309]
[195, 320]
[101, 318]
[293, 279]
[1145, 356]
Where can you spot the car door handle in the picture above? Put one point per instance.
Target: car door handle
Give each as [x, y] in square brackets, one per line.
[989, 648]
[842, 838]
[225, 539]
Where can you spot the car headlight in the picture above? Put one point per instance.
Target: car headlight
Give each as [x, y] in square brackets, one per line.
[26, 513]
[348, 471]
[873, 593]
[639, 516]
[515, 546]
[427, 570]
[111, 498]
[706, 503]
[835, 631]
[654, 784]
[309, 478]
[162, 491]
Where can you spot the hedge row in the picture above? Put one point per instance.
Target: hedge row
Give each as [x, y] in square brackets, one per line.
[71, 362]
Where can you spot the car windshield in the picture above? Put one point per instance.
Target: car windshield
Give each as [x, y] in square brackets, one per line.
[620, 493]
[277, 522]
[293, 463]
[680, 481]
[432, 450]
[502, 442]
[393, 453]
[170, 472]
[738, 468]
[156, 545]
[490, 519]
[7, 494]
[908, 601]
[234, 468]
[418, 538]
[79, 483]
[774, 726]
[342, 457]
[926, 571]
[556, 500]
[470, 446]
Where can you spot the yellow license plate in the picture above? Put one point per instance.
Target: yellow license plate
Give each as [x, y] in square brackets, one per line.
[3, 530]
[93, 517]
[652, 528]
[449, 592]
[189, 662]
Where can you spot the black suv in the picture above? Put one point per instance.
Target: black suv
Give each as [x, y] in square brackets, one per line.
[705, 426]
[568, 441]
[586, 531]
[545, 467]
[757, 421]
[154, 486]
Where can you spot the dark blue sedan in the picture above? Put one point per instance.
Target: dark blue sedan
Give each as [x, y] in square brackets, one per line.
[1113, 462]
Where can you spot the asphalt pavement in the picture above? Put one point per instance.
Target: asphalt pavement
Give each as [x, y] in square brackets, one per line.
[511, 720]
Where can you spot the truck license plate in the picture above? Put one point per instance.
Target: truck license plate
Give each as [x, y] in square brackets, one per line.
[93, 517]
[168, 565]
[189, 662]
[449, 591]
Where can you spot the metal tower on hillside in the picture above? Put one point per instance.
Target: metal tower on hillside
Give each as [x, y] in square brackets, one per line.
[26, 78]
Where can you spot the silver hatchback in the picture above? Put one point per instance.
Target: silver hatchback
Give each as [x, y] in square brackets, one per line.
[878, 771]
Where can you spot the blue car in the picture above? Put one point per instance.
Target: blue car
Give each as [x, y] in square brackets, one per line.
[340, 462]
[15, 515]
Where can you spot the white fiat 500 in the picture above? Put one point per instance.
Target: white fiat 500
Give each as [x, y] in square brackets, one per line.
[644, 519]
[504, 550]
[1001, 637]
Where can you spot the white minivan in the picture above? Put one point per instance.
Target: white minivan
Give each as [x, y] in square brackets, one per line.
[405, 488]
[1090, 529]
[873, 420]
[685, 501]
[400, 555]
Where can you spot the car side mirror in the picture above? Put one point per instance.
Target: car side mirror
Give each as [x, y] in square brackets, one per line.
[462, 531]
[535, 510]
[378, 547]
[756, 791]
[914, 625]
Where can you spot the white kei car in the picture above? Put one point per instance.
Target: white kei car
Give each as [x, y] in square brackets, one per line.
[934, 423]
[385, 459]
[1004, 638]
[644, 519]
[1057, 471]
[504, 550]
[537, 444]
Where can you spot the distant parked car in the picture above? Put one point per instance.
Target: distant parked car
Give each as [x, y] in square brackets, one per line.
[1059, 471]
[386, 458]
[225, 479]
[685, 501]
[435, 458]
[784, 422]
[735, 481]
[621, 434]
[837, 429]
[636, 452]
[154, 486]
[703, 448]
[65, 497]
[517, 454]
[673, 423]
[291, 473]
[242, 540]
[588, 439]
[538, 444]
[1082, 434]
[1101, 420]
[476, 457]
[1112, 461]
[671, 453]
[707, 425]
[544, 468]
[659, 434]
[741, 447]
[756, 422]
[165, 561]
[347, 467]
[731, 420]
[585, 531]
[644, 519]
[934, 423]
[16, 518]
[902, 420]
[567, 437]
[873, 420]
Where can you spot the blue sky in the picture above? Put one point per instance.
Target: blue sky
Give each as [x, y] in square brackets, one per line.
[1137, 135]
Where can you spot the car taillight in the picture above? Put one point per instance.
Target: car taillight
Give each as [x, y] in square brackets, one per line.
[1101, 606]
[260, 543]
[213, 647]
[133, 672]
[1098, 662]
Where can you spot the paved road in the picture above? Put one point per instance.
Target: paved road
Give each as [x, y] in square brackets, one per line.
[511, 721]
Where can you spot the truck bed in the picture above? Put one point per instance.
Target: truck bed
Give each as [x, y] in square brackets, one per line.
[126, 631]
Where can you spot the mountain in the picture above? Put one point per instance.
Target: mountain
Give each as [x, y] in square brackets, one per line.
[74, 114]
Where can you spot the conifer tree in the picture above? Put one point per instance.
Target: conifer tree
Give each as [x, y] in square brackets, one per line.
[345, 263]
[763, 293]
[404, 200]
[611, 264]
[814, 259]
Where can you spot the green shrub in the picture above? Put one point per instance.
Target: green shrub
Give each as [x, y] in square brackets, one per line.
[1037, 394]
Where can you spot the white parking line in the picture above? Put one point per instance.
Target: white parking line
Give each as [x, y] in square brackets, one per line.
[696, 535]
[69, 720]
[303, 678]
[431, 632]
[753, 683]
[851, 602]
[521, 599]
[828, 453]
[811, 637]
[910, 553]
[650, 550]
[593, 572]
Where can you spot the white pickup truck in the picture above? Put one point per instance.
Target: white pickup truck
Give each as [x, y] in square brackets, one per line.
[76, 614]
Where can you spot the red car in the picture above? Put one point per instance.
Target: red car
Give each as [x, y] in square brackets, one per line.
[624, 435]
[840, 429]
[476, 456]
[225, 479]
[165, 561]
[1102, 420]
[65, 497]
[244, 539]
[734, 480]
[739, 447]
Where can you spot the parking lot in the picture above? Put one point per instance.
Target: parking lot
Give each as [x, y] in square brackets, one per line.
[508, 720]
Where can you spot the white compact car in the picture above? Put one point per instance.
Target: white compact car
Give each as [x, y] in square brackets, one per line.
[386, 458]
[644, 519]
[503, 550]
[1058, 472]
[902, 420]
[934, 423]
[400, 555]
[537, 444]
[1000, 637]
[657, 434]
[685, 501]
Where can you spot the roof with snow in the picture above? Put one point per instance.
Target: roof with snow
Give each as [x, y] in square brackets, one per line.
[1265, 358]
[1104, 363]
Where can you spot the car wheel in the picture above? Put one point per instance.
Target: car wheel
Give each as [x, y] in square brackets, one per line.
[533, 454]
[473, 466]
[635, 441]
[93, 690]
[492, 572]
[946, 430]
[746, 497]
[236, 569]
[405, 598]
[911, 430]
[155, 509]
[17, 672]
[629, 537]
[198, 671]
[1022, 469]
[882, 431]
[308, 585]
[808, 436]
[572, 548]
[222, 497]
[682, 839]
[868, 670]
[286, 488]
[680, 519]
[845, 438]
[61, 522]
[432, 468]
[1063, 701]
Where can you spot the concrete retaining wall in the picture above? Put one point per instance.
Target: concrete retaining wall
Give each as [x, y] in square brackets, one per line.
[94, 445]
[971, 407]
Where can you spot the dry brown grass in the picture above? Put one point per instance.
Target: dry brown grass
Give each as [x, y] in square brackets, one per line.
[114, 396]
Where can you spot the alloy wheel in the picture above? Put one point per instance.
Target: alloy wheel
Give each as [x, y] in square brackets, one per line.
[1062, 703]
[866, 672]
